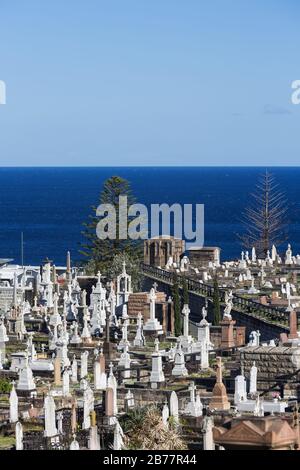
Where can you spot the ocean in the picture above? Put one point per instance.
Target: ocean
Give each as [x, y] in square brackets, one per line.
[49, 205]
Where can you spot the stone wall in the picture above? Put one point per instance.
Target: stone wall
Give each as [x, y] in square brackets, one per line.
[267, 329]
[275, 365]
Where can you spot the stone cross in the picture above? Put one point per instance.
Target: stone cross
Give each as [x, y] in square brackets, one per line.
[152, 298]
[192, 389]
[219, 370]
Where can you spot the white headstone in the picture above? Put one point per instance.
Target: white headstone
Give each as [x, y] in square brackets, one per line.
[74, 368]
[118, 437]
[19, 436]
[74, 444]
[112, 383]
[208, 440]
[240, 392]
[253, 379]
[13, 405]
[194, 406]
[157, 374]
[84, 364]
[179, 369]
[50, 421]
[174, 406]
[66, 383]
[165, 415]
[88, 406]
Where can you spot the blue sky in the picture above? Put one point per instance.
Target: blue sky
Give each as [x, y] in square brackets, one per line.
[149, 82]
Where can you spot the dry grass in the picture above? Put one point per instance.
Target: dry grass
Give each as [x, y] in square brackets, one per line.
[146, 431]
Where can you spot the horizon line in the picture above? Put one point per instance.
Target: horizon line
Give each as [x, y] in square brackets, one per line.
[147, 166]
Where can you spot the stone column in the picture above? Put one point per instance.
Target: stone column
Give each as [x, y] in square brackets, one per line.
[293, 325]
[219, 399]
[57, 371]
[227, 339]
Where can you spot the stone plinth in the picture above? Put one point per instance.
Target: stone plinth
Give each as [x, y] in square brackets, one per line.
[227, 337]
[293, 325]
[219, 399]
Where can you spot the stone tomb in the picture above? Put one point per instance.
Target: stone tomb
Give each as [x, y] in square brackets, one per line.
[273, 362]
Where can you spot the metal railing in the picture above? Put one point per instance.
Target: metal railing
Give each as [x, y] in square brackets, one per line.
[247, 306]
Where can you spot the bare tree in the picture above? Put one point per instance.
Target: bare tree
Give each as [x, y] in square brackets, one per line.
[265, 219]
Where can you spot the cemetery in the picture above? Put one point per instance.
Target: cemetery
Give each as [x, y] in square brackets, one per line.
[87, 364]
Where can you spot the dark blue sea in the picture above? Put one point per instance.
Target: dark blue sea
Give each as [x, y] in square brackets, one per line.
[49, 205]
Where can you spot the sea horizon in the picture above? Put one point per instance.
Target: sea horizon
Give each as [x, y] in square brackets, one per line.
[50, 204]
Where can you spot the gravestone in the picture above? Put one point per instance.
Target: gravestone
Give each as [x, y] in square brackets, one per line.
[157, 375]
[165, 415]
[66, 383]
[50, 421]
[19, 436]
[179, 369]
[253, 379]
[74, 369]
[174, 406]
[118, 437]
[13, 405]
[84, 364]
[240, 391]
[74, 444]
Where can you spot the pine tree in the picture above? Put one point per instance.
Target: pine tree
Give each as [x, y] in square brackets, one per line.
[132, 268]
[216, 304]
[176, 302]
[185, 292]
[265, 219]
[99, 254]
